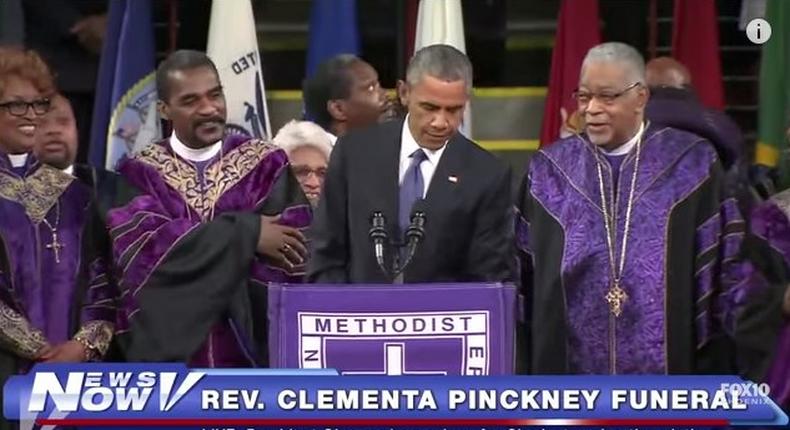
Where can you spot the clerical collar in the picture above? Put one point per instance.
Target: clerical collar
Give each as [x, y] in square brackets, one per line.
[628, 146]
[17, 160]
[194, 154]
[332, 137]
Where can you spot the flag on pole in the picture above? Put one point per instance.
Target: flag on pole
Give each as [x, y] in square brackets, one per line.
[695, 43]
[333, 31]
[125, 118]
[442, 22]
[233, 46]
[577, 31]
[774, 91]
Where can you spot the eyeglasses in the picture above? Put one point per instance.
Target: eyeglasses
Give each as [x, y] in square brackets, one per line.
[304, 172]
[606, 97]
[20, 108]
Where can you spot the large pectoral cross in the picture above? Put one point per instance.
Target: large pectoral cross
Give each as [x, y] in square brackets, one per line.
[616, 296]
[55, 246]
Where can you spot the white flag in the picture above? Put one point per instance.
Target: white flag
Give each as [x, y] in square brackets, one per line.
[233, 46]
[442, 22]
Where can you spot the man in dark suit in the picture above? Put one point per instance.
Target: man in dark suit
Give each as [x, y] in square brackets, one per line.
[387, 168]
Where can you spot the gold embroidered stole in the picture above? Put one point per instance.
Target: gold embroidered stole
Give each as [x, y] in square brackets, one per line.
[37, 192]
[220, 176]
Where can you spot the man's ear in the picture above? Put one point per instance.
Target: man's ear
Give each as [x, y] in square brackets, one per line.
[403, 92]
[643, 94]
[164, 110]
[337, 110]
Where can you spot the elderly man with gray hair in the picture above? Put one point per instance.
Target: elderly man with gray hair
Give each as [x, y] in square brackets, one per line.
[308, 148]
[421, 162]
[628, 246]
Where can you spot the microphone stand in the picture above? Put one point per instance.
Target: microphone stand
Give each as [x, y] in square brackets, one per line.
[380, 237]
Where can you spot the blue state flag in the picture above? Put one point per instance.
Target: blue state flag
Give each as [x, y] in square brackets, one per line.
[333, 30]
[124, 115]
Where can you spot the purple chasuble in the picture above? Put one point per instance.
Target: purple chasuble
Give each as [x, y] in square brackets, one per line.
[678, 221]
[44, 214]
[179, 198]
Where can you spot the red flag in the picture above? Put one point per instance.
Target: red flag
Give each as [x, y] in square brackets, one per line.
[577, 32]
[411, 7]
[695, 43]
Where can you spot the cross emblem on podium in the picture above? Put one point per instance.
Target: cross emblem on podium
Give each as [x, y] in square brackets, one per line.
[395, 363]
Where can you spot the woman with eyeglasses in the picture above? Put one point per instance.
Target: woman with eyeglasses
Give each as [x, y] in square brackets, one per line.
[56, 304]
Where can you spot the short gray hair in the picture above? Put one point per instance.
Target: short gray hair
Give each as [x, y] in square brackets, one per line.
[442, 62]
[298, 134]
[616, 52]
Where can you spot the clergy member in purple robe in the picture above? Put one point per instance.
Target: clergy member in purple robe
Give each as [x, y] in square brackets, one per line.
[56, 304]
[627, 246]
[216, 219]
[770, 225]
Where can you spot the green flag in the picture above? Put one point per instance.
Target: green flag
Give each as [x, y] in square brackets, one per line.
[775, 89]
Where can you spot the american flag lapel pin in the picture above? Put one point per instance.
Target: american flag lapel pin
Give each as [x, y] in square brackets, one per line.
[453, 179]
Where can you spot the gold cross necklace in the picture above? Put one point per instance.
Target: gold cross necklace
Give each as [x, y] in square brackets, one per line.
[55, 246]
[616, 295]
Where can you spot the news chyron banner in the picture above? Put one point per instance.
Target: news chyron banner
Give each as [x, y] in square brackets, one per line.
[173, 396]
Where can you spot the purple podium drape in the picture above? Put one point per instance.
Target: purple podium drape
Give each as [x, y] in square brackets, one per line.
[420, 329]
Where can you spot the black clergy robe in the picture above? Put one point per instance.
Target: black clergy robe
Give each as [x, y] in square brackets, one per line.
[193, 287]
[687, 291]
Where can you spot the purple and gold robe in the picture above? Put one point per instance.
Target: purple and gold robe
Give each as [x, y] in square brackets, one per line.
[53, 283]
[193, 287]
[770, 225]
[682, 282]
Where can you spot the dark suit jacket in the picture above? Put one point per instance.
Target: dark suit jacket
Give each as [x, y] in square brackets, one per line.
[469, 227]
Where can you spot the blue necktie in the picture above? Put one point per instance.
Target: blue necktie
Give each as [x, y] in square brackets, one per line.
[411, 188]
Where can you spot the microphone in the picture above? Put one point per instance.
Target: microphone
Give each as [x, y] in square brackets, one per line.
[378, 235]
[415, 232]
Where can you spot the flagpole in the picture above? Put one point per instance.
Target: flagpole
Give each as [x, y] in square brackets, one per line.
[172, 26]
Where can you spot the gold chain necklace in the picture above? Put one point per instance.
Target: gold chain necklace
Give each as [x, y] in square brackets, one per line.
[616, 296]
[55, 246]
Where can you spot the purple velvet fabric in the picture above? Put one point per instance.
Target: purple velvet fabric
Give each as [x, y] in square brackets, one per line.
[564, 182]
[149, 227]
[40, 288]
[771, 223]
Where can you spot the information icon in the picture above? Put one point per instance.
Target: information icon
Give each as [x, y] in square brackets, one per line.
[758, 31]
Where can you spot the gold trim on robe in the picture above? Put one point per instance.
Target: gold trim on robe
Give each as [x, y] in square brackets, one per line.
[96, 335]
[37, 192]
[18, 335]
[220, 176]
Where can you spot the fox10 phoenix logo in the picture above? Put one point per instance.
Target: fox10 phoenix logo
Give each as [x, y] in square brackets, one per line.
[747, 392]
[94, 391]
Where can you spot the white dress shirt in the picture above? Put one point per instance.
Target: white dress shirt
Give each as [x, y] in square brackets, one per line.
[407, 146]
[332, 138]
